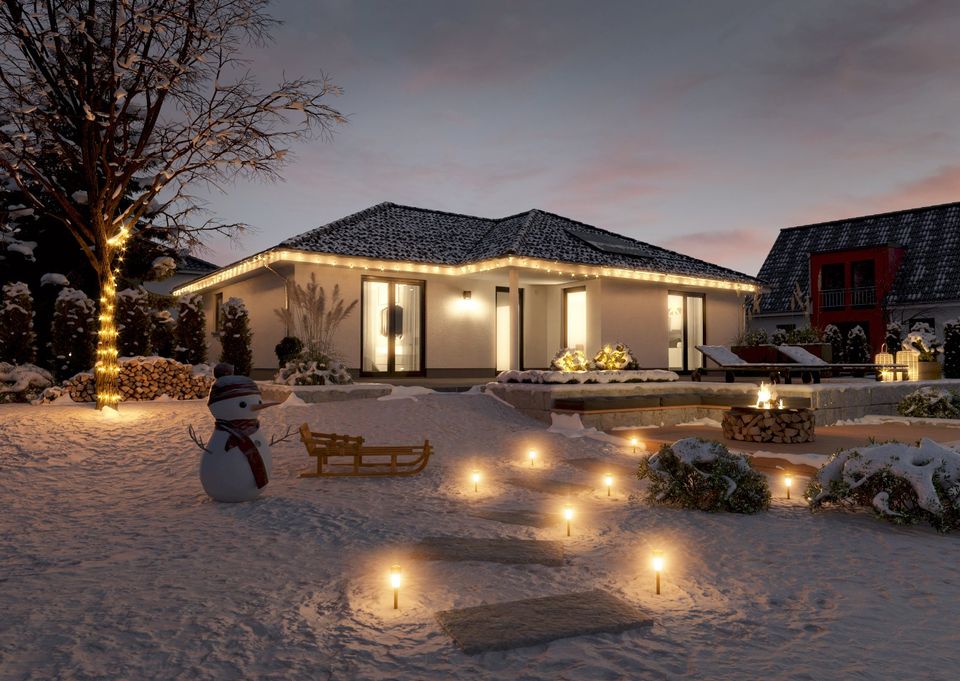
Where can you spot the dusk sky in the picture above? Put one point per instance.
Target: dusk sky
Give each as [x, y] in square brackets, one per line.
[703, 127]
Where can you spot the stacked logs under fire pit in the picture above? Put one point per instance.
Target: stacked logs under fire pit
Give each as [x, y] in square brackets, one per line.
[755, 424]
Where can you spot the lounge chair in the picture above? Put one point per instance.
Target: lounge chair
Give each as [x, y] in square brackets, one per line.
[732, 364]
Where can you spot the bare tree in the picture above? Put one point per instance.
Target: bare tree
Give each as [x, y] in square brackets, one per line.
[145, 99]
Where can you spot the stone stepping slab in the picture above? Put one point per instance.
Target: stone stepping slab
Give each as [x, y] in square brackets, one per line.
[528, 518]
[538, 484]
[515, 624]
[599, 466]
[503, 550]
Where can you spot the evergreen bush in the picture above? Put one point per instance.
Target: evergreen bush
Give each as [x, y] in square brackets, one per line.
[134, 322]
[288, 349]
[73, 336]
[753, 338]
[17, 339]
[951, 348]
[162, 338]
[858, 347]
[191, 343]
[235, 336]
[778, 337]
[703, 475]
[894, 338]
[804, 335]
[833, 336]
[930, 403]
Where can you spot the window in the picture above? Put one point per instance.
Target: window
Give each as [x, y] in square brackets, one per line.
[685, 330]
[218, 314]
[862, 274]
[575, 318]
[832, 285]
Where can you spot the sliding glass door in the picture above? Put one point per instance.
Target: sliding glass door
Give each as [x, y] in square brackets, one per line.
[575, 318]
[685, 330]
[392, 327]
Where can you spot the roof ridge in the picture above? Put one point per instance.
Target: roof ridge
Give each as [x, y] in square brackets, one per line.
[352, 217]
[871, 216]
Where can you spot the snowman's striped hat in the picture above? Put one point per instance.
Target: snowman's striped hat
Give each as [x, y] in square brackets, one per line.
[229, 387]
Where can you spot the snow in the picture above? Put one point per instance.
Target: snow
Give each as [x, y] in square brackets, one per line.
[799, 355]
[405, 392]
[54, 279]
[115, 565]
[721, 355]
[704, 421]
[625, 376]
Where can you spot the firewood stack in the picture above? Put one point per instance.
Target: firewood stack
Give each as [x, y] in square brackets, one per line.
[146, 378]
[785, 426]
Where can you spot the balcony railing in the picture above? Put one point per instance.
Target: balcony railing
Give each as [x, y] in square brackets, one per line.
[837, 298]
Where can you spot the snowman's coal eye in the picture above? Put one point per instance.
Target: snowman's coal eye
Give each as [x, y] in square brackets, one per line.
[243, 405]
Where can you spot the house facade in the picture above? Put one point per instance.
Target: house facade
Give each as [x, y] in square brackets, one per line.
[866, 272]
[449, 295]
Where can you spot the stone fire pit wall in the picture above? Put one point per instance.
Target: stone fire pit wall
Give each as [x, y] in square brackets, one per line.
[748, 424]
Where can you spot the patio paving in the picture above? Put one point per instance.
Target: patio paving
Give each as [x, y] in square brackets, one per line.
[515, 624]
[493, 550]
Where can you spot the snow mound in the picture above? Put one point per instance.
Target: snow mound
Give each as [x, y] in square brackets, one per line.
[293, 400]
[406, 392]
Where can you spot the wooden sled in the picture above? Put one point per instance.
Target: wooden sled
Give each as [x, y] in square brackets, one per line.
[346, 456]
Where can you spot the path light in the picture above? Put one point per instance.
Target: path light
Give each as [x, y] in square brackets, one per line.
[532, 455]
[568, 516]
[395, 583]
[475, 476]
[657, 562]
[788, 480]
[634, 442]
[608, 481]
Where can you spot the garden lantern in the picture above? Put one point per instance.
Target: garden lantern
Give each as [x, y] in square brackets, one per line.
[912, 361]
[568, 516]
[475, 476]
[532, 455]
[657, 562]
[884, 359]
[634, 442]
[788, 481]
[395, 583]
[608, 481]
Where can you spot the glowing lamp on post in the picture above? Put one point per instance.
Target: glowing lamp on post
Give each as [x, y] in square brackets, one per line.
[634, 442]
[532, 455]
[475, 476]
[608, 481]
[568, 516]
[788, 481]
[657, 563]
[395, 585]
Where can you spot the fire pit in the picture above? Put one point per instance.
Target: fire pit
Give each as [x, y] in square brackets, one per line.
[768, 421]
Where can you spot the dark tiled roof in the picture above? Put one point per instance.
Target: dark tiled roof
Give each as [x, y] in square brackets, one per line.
[391, 232]
[189, 264]
[930, 237]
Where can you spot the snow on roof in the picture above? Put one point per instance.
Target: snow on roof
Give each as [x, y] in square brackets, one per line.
[404, 233]
[930, 237]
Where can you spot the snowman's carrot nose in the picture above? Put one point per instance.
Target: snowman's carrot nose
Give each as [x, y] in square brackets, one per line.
[263, 405]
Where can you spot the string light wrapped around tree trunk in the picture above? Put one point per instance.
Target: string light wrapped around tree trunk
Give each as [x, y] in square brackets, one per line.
[107, 370]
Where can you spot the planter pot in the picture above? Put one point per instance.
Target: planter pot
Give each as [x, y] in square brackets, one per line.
[929, 371]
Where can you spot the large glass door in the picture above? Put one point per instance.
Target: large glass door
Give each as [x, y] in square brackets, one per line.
[503, 328]
[392, 327]
[685, 330]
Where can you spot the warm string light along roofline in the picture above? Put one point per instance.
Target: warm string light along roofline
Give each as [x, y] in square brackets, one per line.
[259, 260]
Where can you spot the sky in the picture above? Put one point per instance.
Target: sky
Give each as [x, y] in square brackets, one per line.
[703, 127]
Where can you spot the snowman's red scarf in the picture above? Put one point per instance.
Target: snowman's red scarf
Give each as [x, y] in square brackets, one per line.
[240, 431]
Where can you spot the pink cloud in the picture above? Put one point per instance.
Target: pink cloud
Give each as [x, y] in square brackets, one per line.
[743, 248]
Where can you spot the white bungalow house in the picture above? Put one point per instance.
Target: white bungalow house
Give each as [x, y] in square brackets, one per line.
[448, 295]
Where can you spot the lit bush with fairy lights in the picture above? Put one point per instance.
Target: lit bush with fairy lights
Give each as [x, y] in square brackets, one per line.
[570, 359]
[615, 357]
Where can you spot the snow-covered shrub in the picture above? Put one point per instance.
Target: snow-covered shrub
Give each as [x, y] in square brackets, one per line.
[951, 348]
[616, 357]
[17, 340]
[902, 483]
[191, 343]
[235, 336]
[753, 338]
[23, 382]
[288, 349]
[833, 336]
[134, 322]
[705, 475]
[804, 335]
[162, 336]
[925, 341]
[858, 347]
[569, 359]
[894, 338]
[162, 268]
[930, 403]
[73, 336]
[778, 337]
[330, 372]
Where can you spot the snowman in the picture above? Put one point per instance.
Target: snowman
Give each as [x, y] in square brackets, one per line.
[235, 464]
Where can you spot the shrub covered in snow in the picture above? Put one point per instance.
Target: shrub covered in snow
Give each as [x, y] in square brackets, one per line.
[753, 338]
[902, 483]
[191, 344]
[804, 335]
[833, 336]
[73, 336]
[570, 359]
[17, 340]
[616, 357]
[330, 372]
[778, 337]
[540, 376]
[162, 335]
[23, 382]
[858, 347]
[930, 403]
[705, 475]
[894, 337]
[134, 322]
[925, 341]
[951, 348]
[235, 336]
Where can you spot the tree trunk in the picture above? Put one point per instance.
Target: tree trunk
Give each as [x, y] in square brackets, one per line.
[107, 370]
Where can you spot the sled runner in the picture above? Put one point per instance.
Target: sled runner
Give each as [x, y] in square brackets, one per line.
[346, 456]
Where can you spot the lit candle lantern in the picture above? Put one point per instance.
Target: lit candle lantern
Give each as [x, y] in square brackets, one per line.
[395, 583]
[475, 476]
[657, 562]
[608, 481]
[532, 455]
[568, 516]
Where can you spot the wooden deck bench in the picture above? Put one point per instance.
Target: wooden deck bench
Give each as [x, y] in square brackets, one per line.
[347, 456]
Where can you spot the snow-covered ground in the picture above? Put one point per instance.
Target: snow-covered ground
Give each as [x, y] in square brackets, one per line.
[115, 565]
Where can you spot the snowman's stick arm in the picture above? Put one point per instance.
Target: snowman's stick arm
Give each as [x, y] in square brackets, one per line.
[286, 436]
[197, 440]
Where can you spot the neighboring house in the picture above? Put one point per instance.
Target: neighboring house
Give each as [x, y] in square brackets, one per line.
[443, 294]
[188, 269]
[865, 271]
